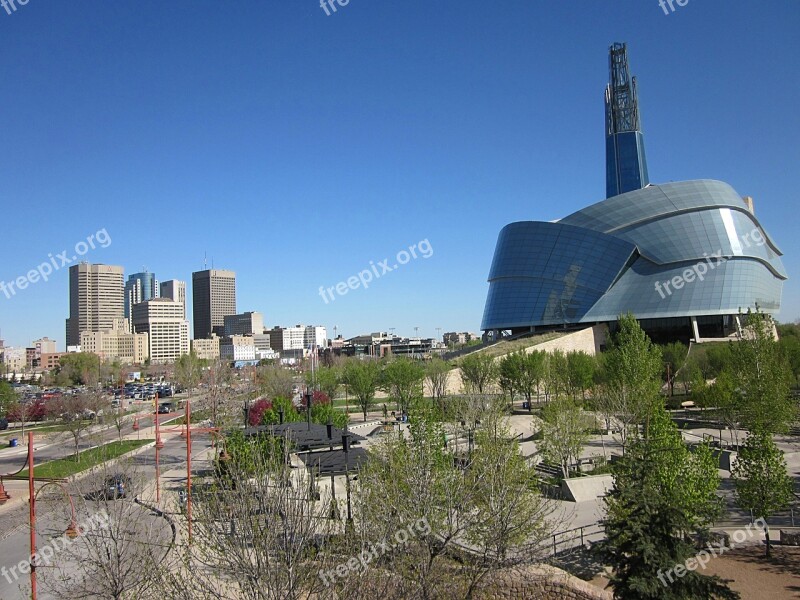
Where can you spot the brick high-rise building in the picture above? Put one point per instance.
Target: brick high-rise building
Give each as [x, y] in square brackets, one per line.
[213, 298]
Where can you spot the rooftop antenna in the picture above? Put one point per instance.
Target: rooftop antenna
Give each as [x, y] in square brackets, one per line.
[205, 261]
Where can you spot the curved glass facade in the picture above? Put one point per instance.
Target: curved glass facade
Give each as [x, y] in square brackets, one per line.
[665, 251]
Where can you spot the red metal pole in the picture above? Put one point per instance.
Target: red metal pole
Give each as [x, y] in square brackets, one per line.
[189, 469]
[32, 505]
[159, 445]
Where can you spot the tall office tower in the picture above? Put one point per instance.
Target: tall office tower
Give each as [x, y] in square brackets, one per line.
[162, 319]
[95, 299]
[139, 287]
[213, 297]
[175, 289]
[626, 164]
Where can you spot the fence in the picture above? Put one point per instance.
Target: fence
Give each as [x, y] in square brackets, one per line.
[577, 537]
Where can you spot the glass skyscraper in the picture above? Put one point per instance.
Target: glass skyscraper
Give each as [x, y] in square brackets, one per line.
[139, 288]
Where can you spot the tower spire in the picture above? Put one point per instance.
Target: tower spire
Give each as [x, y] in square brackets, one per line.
[626, 163]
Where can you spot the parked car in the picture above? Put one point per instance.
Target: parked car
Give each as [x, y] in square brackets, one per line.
[163, 409]
[116, 486]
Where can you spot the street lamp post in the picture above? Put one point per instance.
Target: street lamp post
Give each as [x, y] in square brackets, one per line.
[32, 514]
[346, 450]
[189, 469]
[159, 446]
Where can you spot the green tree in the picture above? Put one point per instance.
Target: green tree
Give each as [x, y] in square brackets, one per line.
[478, 372]
[581, 369]
[327, 380]
[557, 374]
[80, 368]
[188, 371]
[362, 378]
[7, 397]
[674, 357]
[790, 348]
[564, 432]
[689, 479]
[632, 377]
[509, 370]
[437, 375]
[762, 483]
[717, 358]
[723, 401]
[533, 374]
[274, 381]
[645, 535]
[492, 505]
[690, 373]
[402, 379]
[763, 377]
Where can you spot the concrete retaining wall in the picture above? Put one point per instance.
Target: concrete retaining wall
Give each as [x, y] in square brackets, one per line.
[589, 340]
[543, 583]
[584, 489]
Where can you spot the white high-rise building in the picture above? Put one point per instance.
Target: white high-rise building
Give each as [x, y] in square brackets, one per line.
[175, 289]
[162, 319]
[315, 336]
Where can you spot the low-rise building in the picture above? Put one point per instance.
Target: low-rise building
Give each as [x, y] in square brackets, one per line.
[299, 337]
[249, 323]
[44, 346]
[282, 339]
[456, 339]
[206, 349]
[50, 360]
[14, 359]
[117, 343]
[237, 348]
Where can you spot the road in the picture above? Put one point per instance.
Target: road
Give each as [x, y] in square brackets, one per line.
[53, 515]
[62, 444]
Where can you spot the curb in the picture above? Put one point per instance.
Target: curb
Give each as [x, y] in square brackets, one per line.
[167, 518]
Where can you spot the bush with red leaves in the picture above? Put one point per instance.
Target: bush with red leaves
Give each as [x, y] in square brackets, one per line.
[320, 398]
[33, 410]
[256, 414]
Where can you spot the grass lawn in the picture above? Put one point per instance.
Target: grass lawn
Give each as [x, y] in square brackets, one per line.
[17, 432]
[64, 467]
[507, 347]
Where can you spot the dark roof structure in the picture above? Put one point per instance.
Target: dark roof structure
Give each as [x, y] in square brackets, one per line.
[305, 436]
[336, 462]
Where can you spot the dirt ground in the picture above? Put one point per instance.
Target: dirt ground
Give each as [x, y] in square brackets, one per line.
[752, 575]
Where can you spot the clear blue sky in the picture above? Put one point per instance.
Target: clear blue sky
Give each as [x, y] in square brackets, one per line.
[295, 147]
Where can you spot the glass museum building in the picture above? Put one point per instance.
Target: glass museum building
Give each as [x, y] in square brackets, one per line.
[685, 258]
